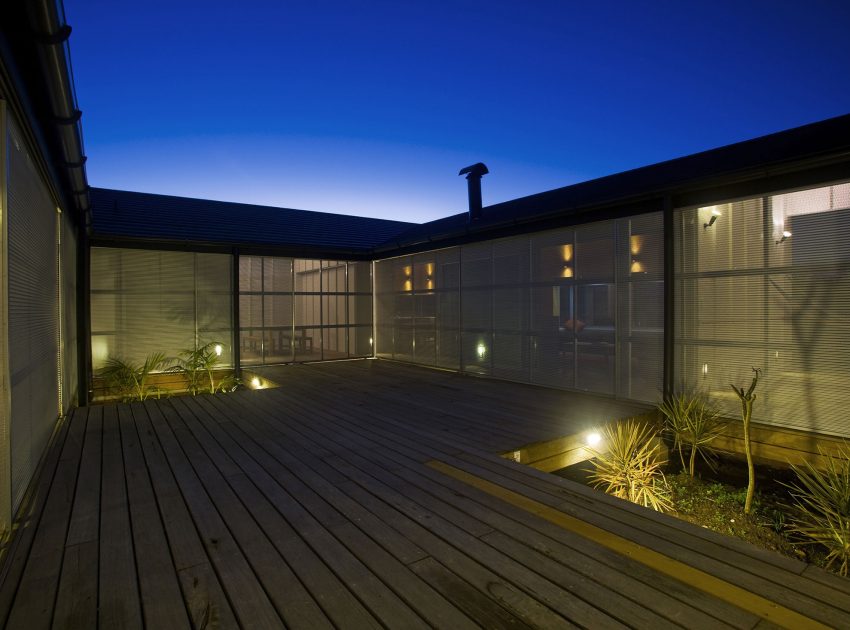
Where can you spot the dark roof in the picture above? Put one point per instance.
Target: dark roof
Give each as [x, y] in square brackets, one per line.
[119, 215]
[714, 169]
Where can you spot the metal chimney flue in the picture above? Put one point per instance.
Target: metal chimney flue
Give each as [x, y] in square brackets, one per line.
[473, 181]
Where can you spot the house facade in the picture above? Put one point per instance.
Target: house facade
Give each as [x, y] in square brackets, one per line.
[682, 275]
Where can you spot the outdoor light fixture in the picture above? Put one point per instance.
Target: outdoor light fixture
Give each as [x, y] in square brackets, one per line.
[255, 383]
[481, 350]
[218, 349]
[714, 214]
[593, 439]
[785, 236]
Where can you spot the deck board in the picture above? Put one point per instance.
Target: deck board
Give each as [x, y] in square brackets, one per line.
[317, 505]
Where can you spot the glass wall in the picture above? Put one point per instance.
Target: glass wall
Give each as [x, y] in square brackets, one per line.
[574, 308]
[303, 310]
[145, 301]
[765, 282]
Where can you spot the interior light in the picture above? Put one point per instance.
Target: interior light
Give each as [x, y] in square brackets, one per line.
[218, 349]
[785, 236]
[481, 350]
[370, 341]
[567, 272]
[704, 369]
[255, 383]
[593, 438]
[637, 267]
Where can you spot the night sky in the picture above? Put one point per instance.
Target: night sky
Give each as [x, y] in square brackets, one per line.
[372, 107]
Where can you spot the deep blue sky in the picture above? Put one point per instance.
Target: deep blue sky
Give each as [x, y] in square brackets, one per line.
[372, 107]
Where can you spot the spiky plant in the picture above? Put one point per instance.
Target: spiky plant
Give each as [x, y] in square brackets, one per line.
[694, 424]
[631, 466]
[821, 507]
[131, 381]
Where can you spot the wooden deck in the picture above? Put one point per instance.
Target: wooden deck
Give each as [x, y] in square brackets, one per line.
[368, 494]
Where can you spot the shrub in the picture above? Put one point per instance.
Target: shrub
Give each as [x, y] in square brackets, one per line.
[748, 397]
[198, 368]
[821, 507]
[694, 423]
[131, 381]
[631, 467]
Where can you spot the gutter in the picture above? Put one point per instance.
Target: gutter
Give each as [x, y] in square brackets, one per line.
[47, 18]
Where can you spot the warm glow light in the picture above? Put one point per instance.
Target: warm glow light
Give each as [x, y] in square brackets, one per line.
[481, 350]
[567, 252]
[715, 212]
[704, 369]
[636, 267]
[567, 272]
[429, 269]
[408, 270]
[593, 439]
[636, 243]
[255, 383]
[370, 341]
[218, 349]
[408, 285]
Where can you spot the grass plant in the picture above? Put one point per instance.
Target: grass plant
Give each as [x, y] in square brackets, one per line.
[694, 423]
[820, 508]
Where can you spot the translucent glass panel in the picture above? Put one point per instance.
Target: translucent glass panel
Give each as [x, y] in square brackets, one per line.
[418, 300]
[767, 285]
[158, 301]
[578, 308]
[304, 310]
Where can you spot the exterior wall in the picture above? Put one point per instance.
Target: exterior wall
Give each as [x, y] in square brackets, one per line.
[38, 365]
[303, 310]
[578, 308]
[147, 301]
[746, 297]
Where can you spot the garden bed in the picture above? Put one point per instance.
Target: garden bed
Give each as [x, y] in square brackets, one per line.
[715, 500]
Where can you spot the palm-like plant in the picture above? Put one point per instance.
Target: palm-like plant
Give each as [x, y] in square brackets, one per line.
[631, 467]
[131, 381]
[198, 368]
[694, 424]
[821, 507]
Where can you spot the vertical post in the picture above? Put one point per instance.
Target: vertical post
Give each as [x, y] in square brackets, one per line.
[669, 298]
[5, 385]
[373, 286]
[234, 326]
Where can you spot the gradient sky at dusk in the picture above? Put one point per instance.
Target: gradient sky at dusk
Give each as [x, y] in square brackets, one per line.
[371, 108]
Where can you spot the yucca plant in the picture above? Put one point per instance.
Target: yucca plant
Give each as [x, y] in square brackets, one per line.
[131, 381]
[820, 510]
[631, 466]
[694, 424]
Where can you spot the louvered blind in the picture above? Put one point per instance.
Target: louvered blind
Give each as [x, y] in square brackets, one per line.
[143, 302]
[33, 312]
[767, 285]
[577, 308]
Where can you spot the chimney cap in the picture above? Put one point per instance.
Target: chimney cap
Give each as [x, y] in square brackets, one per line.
[476, 170]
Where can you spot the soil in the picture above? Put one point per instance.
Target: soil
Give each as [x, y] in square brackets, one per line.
[715, 500]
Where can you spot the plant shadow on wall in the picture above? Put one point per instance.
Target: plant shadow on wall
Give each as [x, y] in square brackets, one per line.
[802, 512]
[199, 371]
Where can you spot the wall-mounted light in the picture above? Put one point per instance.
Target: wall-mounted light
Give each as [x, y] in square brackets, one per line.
[481, 350]
[785, 236]
[217, 349]
[714, 214]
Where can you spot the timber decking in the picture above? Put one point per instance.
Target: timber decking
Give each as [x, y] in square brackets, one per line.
[368, 494]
